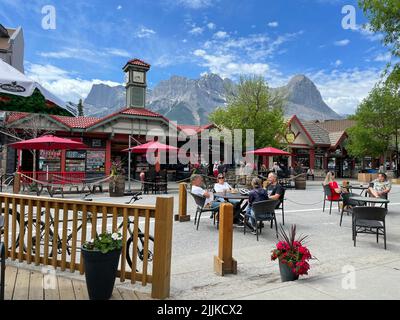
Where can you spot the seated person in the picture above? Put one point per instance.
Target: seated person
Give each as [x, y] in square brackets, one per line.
[197, 182]
[274, 189]
[222, 186]
[256, 195]
[333, 185]
[381, 187]
[310, 173]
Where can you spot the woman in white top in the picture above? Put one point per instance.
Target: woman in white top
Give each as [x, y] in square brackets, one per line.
[221, 185]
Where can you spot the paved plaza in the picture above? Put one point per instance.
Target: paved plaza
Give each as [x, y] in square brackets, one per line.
[341, 271]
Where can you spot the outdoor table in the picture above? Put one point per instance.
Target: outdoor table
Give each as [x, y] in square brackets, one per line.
[370, 200]
[355, 187]
[234, 196]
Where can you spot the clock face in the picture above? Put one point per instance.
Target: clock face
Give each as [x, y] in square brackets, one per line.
[138, 77]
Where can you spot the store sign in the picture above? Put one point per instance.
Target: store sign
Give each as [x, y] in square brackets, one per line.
[50, 154]
[12, 87]
[290, 137]
[76, 154]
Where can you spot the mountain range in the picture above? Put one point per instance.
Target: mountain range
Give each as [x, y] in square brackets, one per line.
[189, 101]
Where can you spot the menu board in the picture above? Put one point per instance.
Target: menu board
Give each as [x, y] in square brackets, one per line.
[76, 154]
[95, 161]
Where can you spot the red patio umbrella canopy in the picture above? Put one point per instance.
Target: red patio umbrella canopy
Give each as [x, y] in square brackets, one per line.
[151, 146]
[48, 142]
[269, 152]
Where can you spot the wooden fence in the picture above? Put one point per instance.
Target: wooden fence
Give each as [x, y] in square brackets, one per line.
[64, 225]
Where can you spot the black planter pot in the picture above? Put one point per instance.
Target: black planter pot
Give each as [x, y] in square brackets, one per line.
[100, 272]
[286, 273]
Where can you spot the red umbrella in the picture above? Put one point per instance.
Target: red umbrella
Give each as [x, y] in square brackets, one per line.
[270, 152]
[151, 146]
[48, 142]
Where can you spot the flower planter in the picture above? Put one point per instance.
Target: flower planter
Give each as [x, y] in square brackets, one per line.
[100, 272]
[117, 186]
[286, 273]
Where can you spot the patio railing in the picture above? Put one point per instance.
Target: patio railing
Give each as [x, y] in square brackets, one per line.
[64, 225]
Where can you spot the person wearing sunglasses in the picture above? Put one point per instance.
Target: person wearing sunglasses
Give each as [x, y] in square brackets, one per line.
[222, 186]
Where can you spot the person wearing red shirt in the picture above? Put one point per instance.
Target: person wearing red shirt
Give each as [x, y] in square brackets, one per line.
[333, 185]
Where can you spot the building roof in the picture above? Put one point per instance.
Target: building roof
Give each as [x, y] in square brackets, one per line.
[138, 62]
[14, 116]
[318, 134]
[189, 129]
[336, 125]
[76, 122]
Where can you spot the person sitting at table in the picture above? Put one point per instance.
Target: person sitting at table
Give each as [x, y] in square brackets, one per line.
[310, 173]
[381, 187]
[256, 195]
[274, 189]
[333, 185]
[222, 186]
[197, 182]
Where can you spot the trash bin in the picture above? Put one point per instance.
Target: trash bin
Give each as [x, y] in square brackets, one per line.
[300, 183]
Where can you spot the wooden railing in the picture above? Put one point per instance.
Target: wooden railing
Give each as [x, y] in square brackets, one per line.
[64, 225]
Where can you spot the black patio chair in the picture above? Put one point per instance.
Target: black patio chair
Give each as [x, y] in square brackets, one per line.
[281, 205]
[349, 204]
[3, 262]
[200, 203]
[370, 220]
[263, 211]
[328, 193]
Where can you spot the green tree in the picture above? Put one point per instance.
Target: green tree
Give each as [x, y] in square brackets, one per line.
[252, 106]
[80, 108]
[377, 122]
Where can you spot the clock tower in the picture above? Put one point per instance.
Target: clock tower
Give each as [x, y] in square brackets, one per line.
[135, 83]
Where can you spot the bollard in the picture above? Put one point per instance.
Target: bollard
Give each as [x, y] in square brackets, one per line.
[17, 183]
[182, 216]
[224, 263]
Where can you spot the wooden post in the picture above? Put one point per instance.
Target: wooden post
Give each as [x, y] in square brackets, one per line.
[162, 248]
[182, 215]
[17, 183]
[224, 263]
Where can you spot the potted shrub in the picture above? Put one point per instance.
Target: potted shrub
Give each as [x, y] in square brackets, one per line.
[117, 182]
[293, 256]
[101, 257]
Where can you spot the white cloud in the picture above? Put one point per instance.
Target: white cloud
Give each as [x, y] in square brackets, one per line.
[220, 35]
[338, 63]
[61, 82]
[144, 32]
[85, 54]
[195, 4]
[342, 43]
[383, 57]
[366, 32]
[344, 90]
[211, 25]
[119, 7]
[273, 24]
[196, 31]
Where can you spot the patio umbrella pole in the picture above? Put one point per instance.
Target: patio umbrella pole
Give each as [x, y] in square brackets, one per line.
[129, 165]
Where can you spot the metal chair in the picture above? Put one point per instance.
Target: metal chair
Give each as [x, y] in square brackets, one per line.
[349, 204]
[263, 211]
[370, 220]
[200, 202]
[327, 194]
[3, 263]
[281, 205]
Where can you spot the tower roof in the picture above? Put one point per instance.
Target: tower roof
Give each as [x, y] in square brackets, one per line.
[138, 62]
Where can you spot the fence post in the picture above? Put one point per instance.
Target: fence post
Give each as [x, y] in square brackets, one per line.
[182, 215]
[17, 183]
[224, 263]
[162, 248]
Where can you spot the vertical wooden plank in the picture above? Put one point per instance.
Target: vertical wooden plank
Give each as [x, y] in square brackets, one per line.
[94, 222]
[13, 229]
[36, 286]
[134, 245]
[83, 236]
[64, 237]
[146, 247]
[10, 282]
[182, 215]
[29, 230]
[104, 220]
[6, 224]
[115, 219]
[46, 233]
[66, 289]
[21, 229]
[55, 235]
[124, 236]
[74, 236]
[21, 290]
[38, 226]
[162, 248]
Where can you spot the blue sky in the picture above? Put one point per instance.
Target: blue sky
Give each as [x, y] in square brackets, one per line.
[276, 38]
